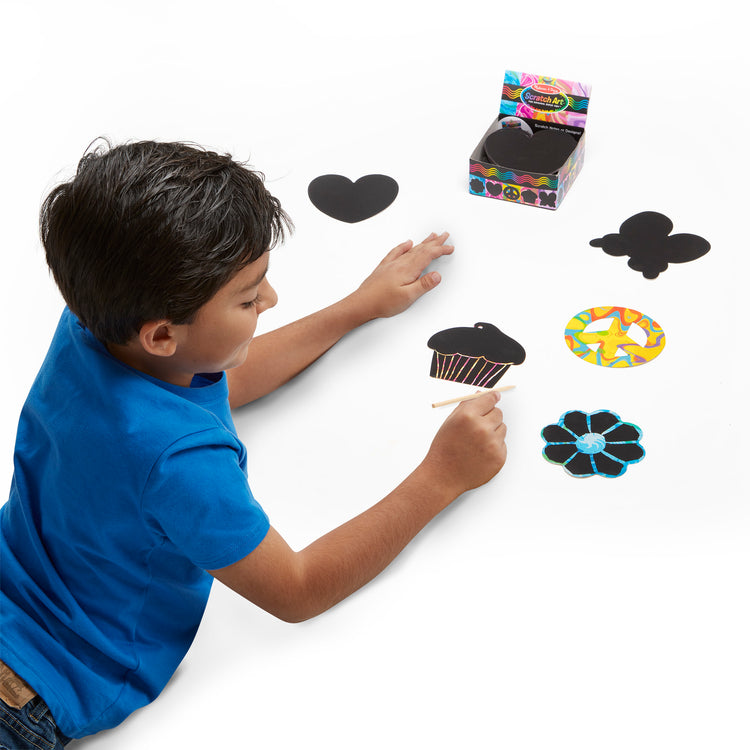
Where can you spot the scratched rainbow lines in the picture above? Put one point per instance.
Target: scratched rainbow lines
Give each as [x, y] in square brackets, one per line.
[615, 346]
[461, 368]
[508, 176]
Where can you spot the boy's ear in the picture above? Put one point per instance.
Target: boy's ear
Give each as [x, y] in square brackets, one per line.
[158, 337]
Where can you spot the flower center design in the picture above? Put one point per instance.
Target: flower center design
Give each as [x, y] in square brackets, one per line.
[591, 442]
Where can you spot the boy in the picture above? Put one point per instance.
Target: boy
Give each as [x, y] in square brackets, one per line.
[129, 493]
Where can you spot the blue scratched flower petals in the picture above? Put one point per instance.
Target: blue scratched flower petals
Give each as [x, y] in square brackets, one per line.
[597, 443]
[601, 421]
[555, 433]
[628, 453]
[559, 453]
[581, 465]
[576, 422]
[608, 466]
[624, 433]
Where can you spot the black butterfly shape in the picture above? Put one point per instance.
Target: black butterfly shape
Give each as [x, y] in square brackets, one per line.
[645, 238]
[547, 199]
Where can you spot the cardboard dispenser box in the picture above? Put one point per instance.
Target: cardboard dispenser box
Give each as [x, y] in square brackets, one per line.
[516, 160]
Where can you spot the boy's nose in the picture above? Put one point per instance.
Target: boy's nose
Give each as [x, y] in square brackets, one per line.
[268, 296]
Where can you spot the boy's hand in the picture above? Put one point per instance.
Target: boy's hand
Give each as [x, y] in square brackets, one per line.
[469, 448]
[398, 281]
[277, 356]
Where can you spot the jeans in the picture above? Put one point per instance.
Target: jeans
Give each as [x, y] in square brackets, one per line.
[29, 728]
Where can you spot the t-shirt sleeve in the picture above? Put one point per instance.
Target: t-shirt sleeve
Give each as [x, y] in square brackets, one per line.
[198, 497]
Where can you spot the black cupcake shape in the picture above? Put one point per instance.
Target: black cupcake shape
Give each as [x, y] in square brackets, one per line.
[478, 356]
[542, 153]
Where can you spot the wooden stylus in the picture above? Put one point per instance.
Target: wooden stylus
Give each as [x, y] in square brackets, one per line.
[472, 395]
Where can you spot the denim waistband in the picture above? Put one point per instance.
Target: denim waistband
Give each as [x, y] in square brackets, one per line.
[23, 703]
[28, 724]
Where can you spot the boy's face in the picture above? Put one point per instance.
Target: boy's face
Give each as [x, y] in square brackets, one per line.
[222, 330]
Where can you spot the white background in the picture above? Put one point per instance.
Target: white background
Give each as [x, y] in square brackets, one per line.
[540, 611]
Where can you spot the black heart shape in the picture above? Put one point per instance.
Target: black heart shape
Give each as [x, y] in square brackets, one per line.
[340, 198]
[544, 152]
[494, 188]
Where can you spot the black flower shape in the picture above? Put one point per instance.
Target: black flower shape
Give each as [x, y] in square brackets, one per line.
[476, 185]
[597, 443]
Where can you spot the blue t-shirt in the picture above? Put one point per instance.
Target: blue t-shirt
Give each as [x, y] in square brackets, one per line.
[126, 489]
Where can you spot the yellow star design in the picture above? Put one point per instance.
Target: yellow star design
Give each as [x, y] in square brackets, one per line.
[611, 340]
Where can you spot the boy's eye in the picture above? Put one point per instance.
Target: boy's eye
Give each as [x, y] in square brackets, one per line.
[251, 303]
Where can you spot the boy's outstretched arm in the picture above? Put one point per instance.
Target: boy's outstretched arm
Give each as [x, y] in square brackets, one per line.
[468, 450]
[276, 357]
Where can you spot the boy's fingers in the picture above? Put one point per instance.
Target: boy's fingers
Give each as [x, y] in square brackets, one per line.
[490, 405]
[427, 253]
[399, 250]
[496, 418]
[422, 285]
[404, 247]
[434, 236]
[427, 282]
[484, 404]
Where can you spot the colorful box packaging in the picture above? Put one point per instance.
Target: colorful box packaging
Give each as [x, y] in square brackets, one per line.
[533, 103]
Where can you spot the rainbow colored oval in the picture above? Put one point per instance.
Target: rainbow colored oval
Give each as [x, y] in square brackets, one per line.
[631, 339]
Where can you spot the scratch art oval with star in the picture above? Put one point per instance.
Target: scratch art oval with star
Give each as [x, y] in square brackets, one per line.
[614, 337]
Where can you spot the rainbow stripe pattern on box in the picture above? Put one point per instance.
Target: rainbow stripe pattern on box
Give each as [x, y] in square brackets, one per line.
[535, 191]
[545, 98]
[546, 182]
[533, 103]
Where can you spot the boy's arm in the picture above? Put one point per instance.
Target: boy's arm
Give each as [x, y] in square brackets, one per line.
[468, 450]
[276, 357]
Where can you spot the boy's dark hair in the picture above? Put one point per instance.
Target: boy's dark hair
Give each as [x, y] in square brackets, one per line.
[150, 231]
